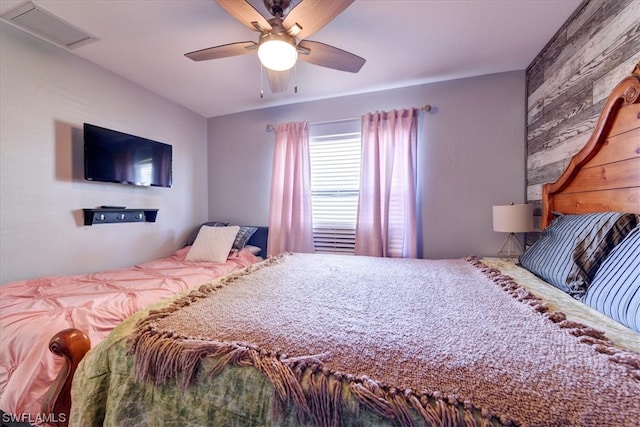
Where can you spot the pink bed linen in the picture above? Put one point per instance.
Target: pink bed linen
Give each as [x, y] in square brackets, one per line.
[32, 311]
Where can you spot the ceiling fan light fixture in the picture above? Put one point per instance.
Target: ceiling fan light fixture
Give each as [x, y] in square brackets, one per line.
[277, 52]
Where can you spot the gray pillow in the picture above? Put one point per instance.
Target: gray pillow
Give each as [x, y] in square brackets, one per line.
[569, 251]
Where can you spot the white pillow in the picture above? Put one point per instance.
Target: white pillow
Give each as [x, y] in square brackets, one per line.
[213, 244]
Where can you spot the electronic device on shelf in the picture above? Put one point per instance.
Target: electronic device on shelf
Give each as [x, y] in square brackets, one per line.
[116, 214]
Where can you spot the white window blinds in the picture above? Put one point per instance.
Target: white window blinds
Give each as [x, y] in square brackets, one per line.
[335, 183]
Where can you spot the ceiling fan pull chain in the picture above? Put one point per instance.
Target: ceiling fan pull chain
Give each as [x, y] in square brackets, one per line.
[295, 77]
[261, 81]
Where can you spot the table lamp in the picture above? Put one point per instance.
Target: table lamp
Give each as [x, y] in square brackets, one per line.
[512, 219]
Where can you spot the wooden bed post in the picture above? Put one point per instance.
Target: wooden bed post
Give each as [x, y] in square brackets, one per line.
[72, 344]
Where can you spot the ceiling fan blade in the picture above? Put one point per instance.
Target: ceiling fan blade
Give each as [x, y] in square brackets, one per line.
[331, 57]
[311, 15]
[223, 51]
[244, 12]
[278, 80]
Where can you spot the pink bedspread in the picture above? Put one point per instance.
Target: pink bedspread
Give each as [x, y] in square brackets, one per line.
[32, 311]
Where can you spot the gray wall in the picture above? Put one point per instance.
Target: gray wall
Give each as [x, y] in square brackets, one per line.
[471, 156]
[569, 81]
[47, 93]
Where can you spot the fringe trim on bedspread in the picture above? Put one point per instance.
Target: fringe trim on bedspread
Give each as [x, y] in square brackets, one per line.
[586, 334]
[317, 392]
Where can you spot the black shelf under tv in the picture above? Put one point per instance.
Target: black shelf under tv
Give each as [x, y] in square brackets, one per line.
[113, 216]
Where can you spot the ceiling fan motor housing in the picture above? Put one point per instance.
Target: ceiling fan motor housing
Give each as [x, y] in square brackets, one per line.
[277, 7]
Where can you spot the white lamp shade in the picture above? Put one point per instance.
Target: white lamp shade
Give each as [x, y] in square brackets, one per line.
[513, 218]
[277, 54]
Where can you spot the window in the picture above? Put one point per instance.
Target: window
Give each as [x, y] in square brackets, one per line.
[335, 185]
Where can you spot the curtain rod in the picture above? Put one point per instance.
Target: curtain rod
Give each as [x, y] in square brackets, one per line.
[271, 128]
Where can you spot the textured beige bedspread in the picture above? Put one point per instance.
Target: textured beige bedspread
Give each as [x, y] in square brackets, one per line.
[399, 332]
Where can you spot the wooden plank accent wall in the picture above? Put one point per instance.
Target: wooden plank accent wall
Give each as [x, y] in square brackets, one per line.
[568, 82]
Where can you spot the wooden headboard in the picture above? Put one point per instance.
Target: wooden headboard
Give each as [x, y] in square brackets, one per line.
[605, 175]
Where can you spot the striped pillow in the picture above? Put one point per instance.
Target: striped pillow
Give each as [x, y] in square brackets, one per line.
[615, 291]
[569, 251]
[243, 236]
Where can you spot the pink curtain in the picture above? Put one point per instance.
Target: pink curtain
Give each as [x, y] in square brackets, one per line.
[290, 224]
[387, 208]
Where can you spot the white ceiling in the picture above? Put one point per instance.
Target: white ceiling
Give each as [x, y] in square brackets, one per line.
[404, 42]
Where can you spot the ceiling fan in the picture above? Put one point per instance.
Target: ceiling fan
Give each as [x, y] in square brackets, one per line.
[283, 38]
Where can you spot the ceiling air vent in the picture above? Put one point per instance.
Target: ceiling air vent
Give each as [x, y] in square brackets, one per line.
[35, 20]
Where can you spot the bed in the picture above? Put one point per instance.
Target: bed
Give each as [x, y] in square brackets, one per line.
[500, 346]
[87, 307]
[303, 339]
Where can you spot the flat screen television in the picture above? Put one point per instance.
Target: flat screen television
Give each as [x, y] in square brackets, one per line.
[111, 156]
